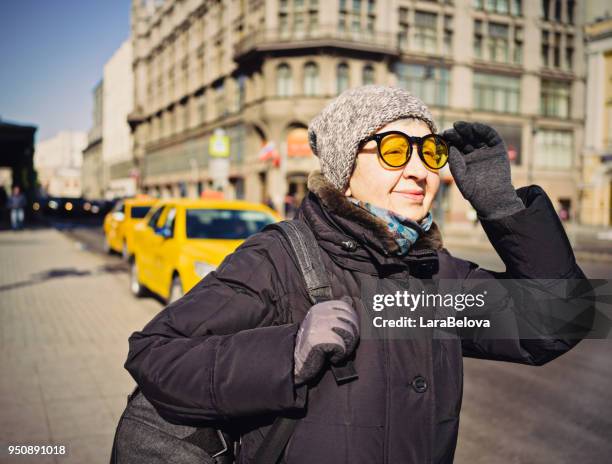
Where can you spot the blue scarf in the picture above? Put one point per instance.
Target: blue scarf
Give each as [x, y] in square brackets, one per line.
[405, 231]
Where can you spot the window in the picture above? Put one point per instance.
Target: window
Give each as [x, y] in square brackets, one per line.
[368, 74]
[546, 9]
[513, 7]
[403, 28]
[558, 10]
[554, 149]
[220, 104]
[342, 81]
[555, 99]
[478, 39]
[298, 22]
[518, 45]
[496, 93]
[313, 20]
[478, 47]
[225, 223]
[448, 35]
[153, 220]
[545, 55]
[283, 25]
[311, 79]
[569, 57]
[342, 21]
[425, 32]
[169, 222]
[557, 51]
[283, 80]
[499, 49]
[429, 83]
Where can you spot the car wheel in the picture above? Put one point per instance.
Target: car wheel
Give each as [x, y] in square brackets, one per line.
[124, 252]
[137, 289]
[176, 289]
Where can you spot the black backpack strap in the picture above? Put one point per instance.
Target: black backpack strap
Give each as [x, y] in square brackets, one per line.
[308, 255]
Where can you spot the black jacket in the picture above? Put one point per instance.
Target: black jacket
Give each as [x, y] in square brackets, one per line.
[225, 350]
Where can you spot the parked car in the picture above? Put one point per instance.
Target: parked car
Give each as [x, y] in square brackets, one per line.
[120, 222]
[182, 240]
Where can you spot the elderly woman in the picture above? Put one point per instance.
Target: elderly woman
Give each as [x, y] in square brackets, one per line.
[239, 347]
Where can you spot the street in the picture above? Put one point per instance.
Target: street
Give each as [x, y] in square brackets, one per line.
[66, 314]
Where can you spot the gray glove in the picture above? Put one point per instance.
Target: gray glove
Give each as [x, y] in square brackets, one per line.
[330, 330]
[479, 163]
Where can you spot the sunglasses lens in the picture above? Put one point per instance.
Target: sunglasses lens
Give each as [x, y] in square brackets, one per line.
[394, 150]
[435, 152]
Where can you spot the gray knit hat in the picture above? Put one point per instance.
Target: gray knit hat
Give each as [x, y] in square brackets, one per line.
[335, 133]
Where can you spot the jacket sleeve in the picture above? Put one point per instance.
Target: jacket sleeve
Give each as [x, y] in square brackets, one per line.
[540, 313]
[223, 350]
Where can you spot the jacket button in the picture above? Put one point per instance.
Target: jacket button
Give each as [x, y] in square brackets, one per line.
[349, 245]
[419, 384]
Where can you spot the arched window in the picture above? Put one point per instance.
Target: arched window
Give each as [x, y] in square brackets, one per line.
[342, 79]
[368, 74]
[283, 80]
[311, 79]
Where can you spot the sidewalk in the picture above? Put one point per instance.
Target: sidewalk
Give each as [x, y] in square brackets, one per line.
[65, 317]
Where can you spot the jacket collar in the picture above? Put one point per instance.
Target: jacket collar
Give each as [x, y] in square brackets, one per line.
[336, 220]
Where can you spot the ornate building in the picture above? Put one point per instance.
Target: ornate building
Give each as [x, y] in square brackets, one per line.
[261, 69]
[597, 167]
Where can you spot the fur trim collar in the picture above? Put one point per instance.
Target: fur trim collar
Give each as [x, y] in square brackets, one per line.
[338, 204]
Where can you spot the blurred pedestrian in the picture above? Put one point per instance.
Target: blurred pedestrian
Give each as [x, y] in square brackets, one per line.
[3, 201]
[16, 204]
[289, 207]
[563, 213]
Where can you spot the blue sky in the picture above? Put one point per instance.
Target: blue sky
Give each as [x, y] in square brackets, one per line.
[52, 54]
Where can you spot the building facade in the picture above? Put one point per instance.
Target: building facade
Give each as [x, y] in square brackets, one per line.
[58, 161]
[261, 69]
[597, 163]
[118, 96]
[92, 171]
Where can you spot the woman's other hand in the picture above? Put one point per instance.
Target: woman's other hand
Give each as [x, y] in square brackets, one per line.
[330, 330]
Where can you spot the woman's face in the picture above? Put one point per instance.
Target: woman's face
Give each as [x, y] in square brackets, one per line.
[408, 191]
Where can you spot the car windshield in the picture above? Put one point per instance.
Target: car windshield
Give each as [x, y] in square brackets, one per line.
[225, 223]
[138, 212]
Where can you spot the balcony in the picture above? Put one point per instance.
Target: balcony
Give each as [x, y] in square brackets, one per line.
[323, 36]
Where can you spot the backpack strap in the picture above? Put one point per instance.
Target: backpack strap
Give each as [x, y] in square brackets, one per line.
[308, 255]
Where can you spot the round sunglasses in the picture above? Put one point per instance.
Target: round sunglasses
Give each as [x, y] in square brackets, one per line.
[395, 148]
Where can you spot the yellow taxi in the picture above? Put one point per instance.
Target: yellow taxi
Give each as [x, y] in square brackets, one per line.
[120, 222]
[182, 240]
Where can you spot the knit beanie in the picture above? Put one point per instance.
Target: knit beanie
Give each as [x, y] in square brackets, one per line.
[335, 133]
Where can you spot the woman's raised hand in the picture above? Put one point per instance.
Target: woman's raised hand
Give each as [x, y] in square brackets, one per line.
[478, 160]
